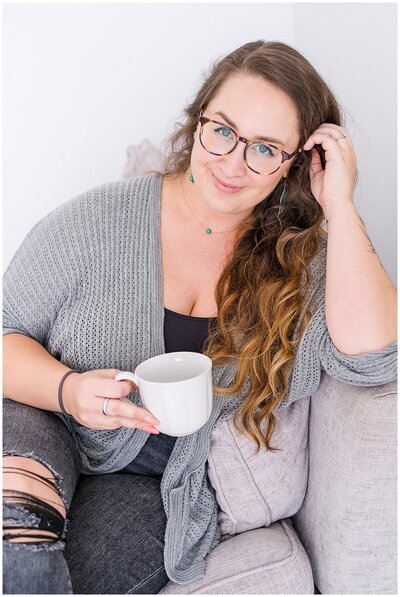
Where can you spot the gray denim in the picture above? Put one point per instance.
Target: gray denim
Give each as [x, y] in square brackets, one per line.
[113, 538]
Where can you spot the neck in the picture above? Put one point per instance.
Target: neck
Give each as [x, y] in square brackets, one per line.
[209, 222]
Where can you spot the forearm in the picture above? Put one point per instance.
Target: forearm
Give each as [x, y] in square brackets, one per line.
[360, 300]
[30, 374]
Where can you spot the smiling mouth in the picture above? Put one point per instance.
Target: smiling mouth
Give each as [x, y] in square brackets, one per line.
[224, 186]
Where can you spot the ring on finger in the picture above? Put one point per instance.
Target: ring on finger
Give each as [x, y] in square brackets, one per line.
[342, 136]
[105, 404]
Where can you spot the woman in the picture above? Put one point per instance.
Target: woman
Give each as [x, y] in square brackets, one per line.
[224, 253]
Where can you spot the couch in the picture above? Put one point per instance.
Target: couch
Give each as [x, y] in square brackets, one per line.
[343, 538]
[318, 515]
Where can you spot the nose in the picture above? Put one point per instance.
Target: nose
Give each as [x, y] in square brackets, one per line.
[233, 163]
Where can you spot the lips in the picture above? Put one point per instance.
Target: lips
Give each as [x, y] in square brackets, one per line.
[222, 186]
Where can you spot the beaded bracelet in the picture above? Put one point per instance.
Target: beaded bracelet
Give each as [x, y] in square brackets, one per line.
[60, 402]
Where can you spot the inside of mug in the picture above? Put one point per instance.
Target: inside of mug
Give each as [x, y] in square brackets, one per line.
[170, 368]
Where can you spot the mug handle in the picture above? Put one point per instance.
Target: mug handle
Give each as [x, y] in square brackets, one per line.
[127, 376]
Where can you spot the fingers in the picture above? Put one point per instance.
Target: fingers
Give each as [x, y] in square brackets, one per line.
[127, 410]
[316, 164]
[106, 373]
[117, 424]
[327, 142]
[328, 133]
[107, 422]
[331, 129]
[109, 388]
[100, 384]
[122, 414]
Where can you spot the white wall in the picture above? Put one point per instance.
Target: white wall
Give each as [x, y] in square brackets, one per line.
[353, 46]
[83, 81]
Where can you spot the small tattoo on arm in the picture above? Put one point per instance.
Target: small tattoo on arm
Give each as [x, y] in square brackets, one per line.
[371, 246]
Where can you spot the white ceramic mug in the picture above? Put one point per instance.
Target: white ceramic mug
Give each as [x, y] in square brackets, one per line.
[176, 387]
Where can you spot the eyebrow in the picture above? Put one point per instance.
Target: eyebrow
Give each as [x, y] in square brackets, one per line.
[260, 137]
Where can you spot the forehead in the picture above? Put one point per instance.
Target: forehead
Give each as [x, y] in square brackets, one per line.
[257, 107]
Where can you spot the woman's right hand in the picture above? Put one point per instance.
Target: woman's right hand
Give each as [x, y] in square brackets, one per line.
[84, 394]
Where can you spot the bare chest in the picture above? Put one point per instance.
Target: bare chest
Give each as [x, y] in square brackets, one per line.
[191, 269]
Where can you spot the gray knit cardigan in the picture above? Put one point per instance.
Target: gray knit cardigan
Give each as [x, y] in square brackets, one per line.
[87, 284]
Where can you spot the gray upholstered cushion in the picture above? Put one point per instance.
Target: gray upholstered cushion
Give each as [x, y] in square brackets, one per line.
[254, 490]
[263, 561]
[347, 522]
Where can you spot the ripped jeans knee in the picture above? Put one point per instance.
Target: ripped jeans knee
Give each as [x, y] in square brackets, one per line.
[29, 520]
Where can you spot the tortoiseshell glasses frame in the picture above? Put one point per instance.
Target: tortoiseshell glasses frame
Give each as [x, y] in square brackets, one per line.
[285, 155]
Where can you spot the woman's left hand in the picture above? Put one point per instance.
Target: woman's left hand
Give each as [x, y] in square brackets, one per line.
[334, 185]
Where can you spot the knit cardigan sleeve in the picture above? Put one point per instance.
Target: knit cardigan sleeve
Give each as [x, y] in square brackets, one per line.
[317, 352]
[41, 276]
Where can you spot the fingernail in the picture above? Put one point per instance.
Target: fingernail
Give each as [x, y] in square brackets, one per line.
[151, 429]
[151, 421]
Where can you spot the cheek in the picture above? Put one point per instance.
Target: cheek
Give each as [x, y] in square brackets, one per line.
[201, 157]
[204, 163]
[266, 187]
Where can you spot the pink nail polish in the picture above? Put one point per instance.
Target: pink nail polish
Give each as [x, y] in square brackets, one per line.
[151, 421]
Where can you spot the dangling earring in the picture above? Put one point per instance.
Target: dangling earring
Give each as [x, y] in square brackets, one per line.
[191, 178]
[283, 197]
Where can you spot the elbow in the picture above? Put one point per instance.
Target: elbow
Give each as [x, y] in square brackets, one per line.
[369, 345]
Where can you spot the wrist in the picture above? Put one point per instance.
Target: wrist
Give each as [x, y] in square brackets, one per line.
[340, 208]
[65, 390]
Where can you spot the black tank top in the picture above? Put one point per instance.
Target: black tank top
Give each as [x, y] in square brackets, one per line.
[181, 332]
[184, 332]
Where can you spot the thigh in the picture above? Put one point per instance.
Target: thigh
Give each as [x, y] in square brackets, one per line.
[42, 436]
[115, 536]
[41, 471]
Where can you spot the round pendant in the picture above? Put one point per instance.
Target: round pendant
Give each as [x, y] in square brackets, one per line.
[208, 230]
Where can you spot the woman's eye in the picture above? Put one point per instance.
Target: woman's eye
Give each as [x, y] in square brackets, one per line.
[263, 149]
[225, 131]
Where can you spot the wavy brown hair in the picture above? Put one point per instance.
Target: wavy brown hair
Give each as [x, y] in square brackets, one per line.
[261, 291]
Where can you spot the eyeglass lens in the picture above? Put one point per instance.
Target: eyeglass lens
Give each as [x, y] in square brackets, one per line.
[260, 156]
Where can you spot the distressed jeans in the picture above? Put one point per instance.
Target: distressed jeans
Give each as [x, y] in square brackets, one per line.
[113, 538]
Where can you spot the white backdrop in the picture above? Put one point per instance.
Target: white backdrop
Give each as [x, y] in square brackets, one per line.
[83, 81]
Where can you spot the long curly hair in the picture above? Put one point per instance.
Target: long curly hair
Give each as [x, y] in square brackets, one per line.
[262, 288]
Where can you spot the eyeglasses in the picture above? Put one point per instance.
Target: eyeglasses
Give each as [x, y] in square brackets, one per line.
[262, 157]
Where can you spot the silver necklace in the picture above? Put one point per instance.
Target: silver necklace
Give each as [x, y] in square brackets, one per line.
[206, 229]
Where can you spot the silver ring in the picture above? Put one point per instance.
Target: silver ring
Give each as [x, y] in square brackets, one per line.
[342, 136]
[105, 404]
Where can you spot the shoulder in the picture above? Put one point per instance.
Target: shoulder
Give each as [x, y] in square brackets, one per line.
[102, 204]
[131, 190]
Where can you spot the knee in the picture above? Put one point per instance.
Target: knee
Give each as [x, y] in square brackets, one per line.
[33, 511]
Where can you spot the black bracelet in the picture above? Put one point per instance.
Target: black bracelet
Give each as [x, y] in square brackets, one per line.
[60, 402]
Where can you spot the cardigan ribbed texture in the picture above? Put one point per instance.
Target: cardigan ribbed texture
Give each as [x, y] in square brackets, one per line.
[87, 284]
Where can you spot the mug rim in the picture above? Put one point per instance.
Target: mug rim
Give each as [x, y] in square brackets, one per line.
[184, 352]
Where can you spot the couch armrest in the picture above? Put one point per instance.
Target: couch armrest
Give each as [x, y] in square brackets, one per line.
[347, 522]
